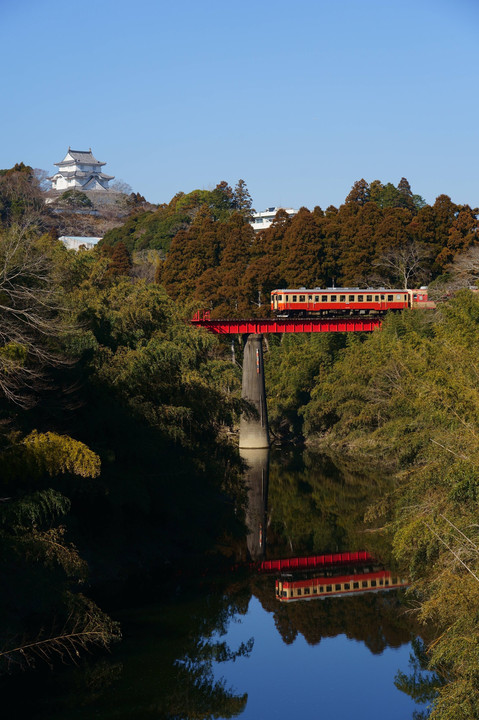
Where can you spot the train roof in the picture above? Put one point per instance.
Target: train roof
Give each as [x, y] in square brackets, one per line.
[340, 290]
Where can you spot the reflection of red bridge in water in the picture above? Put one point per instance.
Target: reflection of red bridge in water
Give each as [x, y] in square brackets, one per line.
[258, 326]
[311, 562]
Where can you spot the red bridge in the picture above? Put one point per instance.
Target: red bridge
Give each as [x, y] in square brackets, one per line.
[314, 561]
[258, 326]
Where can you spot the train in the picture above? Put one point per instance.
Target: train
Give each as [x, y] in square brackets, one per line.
[352, 583]
[338, 302]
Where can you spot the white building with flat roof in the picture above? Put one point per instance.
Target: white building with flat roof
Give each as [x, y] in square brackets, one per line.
[263, 220]
[79, 170]
[75, 242]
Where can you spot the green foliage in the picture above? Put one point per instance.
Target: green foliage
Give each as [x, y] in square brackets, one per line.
[75, 199]
[410, 394]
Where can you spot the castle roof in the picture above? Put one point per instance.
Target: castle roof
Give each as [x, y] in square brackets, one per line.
[79, 156]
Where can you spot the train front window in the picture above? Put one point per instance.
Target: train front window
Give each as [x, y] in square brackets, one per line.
[369, 298]
[280, 298]
[342, 298]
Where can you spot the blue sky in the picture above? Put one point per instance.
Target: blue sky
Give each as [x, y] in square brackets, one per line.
[299, 99]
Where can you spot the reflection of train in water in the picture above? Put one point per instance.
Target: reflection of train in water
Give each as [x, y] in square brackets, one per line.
[336, 302]
[351, 583]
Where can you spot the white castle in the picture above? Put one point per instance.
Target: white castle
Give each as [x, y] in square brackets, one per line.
[81, 171]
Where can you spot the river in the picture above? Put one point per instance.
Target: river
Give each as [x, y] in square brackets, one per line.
[227, 645]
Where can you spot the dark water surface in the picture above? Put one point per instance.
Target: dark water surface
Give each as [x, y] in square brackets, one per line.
[226, 646]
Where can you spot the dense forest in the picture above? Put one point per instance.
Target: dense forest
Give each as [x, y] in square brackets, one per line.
[381, 234]
[116, 417]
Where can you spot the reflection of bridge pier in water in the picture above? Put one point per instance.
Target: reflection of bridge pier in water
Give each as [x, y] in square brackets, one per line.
[256, 479]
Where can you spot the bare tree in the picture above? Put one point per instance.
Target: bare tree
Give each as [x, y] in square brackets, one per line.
[120, 186]
[29, 311]
[465, 268]
[406, 264]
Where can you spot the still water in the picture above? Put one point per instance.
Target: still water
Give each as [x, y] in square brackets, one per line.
[227, 646]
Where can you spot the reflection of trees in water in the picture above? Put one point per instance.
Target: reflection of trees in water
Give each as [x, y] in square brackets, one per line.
[317, 504]
[377, 619]
[163, 669]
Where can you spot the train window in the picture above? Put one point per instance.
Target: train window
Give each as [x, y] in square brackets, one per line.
[405, 297]
[315, 591]
[355, 585]
[324, 298]
[386, 582]
[333, 298]
[287, 298]
[302, 298]
[306, 591]
[382, 297]
[351, 298]
[284, 593]
[364, 583]
[369, 298]
[390, 298]
[376, 298]
[381, 581]
[373, 583]
[299, 591]
[316, 298]
[328, 588]
[342, 298]
[295, 298]
[280, 298]
[360, 298]
[347, 586]
[321, 589]
[337, 586]
[310, 298]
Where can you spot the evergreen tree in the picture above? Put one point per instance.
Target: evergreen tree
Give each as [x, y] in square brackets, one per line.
[242, 201]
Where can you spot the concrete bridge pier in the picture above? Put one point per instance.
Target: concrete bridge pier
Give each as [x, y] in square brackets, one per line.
[254, 431]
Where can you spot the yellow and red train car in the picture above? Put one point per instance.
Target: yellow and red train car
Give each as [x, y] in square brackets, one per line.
[334, 302]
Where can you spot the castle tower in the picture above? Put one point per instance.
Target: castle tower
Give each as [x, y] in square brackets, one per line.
[79, 170]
